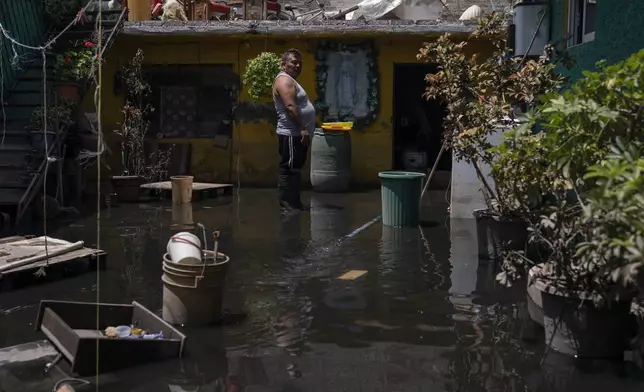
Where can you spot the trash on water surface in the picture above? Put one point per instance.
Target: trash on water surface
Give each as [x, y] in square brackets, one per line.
[352, 275]
[128, 332]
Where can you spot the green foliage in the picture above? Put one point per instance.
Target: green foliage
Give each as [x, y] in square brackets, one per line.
[58, 116]
[614, 215]
[75, 65]
[521, 172]
[583, 122]
[61, 12]
[587, 175]
[259, 75]
[482, 96]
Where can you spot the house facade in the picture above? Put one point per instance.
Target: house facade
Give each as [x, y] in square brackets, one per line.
[195, 68]
[594, 30]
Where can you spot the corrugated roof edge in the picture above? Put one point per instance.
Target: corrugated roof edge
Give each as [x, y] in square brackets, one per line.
[332, 28]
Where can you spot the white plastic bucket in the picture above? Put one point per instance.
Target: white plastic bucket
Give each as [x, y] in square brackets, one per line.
[185, 248]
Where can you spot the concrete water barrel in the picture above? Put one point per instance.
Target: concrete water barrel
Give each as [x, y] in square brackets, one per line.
[193, 294]
[330, 161]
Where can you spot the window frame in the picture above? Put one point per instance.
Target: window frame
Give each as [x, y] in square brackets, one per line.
[226, 80]
[577, 38]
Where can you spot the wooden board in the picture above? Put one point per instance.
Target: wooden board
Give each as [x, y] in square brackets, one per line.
[200, 190]
[86, 258]
[352, 275]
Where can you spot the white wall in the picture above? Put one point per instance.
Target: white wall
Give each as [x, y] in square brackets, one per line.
[466, 195]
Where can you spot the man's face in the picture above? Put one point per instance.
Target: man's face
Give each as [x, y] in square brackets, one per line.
[293, 66]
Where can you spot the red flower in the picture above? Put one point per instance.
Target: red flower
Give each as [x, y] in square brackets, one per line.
[89, 44]
[68, 60]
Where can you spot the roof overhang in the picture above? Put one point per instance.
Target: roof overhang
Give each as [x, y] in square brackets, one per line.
[290, 29]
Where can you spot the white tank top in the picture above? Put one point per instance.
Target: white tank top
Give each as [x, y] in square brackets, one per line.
[285, 125]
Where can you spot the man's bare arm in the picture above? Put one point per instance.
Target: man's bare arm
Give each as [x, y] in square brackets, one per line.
[285, 88]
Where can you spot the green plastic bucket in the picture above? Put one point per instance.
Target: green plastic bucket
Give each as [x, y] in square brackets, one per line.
[400, 193]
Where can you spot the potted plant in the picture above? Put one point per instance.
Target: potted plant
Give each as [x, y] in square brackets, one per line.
[483, 98]
[137, 168]
[259, 75]
[590, 220]
[58, 116]
[72, 68]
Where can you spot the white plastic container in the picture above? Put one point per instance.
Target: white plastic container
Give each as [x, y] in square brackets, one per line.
[185, 248]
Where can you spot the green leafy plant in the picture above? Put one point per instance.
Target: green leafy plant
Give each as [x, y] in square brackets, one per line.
[259, 75]
[136, 112]
[590, 150]
[614, 217]
[61, 12]
[75, 65]
[58, 116]
[482, 96]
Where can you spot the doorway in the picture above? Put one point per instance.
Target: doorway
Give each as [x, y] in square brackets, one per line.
[418, 124]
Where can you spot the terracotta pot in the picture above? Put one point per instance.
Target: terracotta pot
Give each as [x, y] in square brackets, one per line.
[128, 188]
[68, 92]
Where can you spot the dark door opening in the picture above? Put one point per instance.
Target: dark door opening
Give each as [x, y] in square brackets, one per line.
[418, 124]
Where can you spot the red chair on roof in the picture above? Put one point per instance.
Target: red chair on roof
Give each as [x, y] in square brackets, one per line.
[220, 10]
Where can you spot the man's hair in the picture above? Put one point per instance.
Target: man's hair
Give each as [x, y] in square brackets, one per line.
[291, 52]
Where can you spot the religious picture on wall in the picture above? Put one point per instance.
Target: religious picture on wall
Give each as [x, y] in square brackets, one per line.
[347, 82]
[347, 86]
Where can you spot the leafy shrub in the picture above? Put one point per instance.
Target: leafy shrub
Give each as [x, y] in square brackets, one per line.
[259, 75]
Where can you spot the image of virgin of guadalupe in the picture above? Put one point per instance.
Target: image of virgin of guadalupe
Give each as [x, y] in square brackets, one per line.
[347, 84]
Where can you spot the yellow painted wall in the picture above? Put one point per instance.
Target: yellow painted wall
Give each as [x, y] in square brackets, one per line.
[253, 152]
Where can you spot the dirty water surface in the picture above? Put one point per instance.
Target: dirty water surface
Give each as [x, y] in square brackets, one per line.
[416, 312]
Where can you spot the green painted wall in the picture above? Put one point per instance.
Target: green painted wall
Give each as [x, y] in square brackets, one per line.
[619, 33]
[24, 21]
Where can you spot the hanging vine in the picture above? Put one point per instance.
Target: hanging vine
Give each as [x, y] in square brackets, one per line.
[259, 75]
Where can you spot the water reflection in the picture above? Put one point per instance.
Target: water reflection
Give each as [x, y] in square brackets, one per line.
[293, 319]
[182, 216]
[400, 259]
[329, 217]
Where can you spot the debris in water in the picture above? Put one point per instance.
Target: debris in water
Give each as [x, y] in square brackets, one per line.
[375, 324]
[130, 332]
[352, 275]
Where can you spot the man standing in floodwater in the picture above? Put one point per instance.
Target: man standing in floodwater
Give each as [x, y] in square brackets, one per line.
[295, 122]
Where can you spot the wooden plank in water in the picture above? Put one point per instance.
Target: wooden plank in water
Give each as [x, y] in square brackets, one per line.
[93, 254]
[352, 275]
[80, 259]
[200, 190]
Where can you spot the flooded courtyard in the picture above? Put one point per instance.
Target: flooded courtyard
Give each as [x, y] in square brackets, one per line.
[425, 316]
